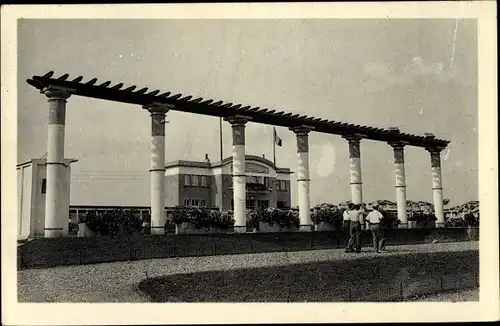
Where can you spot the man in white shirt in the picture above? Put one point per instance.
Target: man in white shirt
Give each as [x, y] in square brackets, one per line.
[347, 224]
[355, 217]
[375, 219]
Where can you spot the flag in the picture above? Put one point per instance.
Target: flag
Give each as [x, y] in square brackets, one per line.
[277, 139]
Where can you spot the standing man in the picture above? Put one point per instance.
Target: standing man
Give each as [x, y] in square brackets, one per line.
[355, 217]
[375, 218]
[347, 224]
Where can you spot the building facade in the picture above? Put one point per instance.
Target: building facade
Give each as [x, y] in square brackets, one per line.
[207, 184]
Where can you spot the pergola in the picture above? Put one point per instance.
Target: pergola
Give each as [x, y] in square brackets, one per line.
[158, 103]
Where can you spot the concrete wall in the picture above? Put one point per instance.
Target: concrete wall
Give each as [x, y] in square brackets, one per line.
[51, 252]
[284, 196]
[172, 190]
[24, 202]
[216, 190]
[227, 192]
[38, 218]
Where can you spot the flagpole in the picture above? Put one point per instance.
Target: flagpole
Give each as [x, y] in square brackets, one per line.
[274, 145]
[220, 138]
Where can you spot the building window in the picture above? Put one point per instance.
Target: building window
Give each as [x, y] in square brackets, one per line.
[250, 203]
[195, 180]
[187, 180]
[263, 203]
[44, 186]
[266, 182]
[282, 185]
[204, 180]
[193, 202]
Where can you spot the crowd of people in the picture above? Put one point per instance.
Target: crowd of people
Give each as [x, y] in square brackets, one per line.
[354, 219]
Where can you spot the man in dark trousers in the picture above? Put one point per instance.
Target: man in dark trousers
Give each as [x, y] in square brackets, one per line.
[355, 217]
[347, 224]
[375, 219]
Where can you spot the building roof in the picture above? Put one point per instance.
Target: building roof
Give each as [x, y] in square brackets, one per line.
[227, 160]
[211, 107]
[70, 160]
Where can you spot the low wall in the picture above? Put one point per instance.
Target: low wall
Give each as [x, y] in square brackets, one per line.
[51, 252]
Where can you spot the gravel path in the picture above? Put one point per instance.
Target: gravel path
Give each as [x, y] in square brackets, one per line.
[117, 282]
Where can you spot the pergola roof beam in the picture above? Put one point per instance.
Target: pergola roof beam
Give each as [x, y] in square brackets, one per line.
[207, 107]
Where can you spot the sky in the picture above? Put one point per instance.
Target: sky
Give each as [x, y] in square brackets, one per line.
[416, 74]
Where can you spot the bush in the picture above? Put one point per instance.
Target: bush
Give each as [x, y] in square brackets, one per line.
[270, 215]
[285, 219]
[456, 223]
[328, 214]
[471, 220]
[223, 220]
[422, 218]
[112, 222]
[389, 220]
[254, 216]
[201, 217]
[292, 219]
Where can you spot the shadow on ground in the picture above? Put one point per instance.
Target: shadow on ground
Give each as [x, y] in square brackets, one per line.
[381, 278]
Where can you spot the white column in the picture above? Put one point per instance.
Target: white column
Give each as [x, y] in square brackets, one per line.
[303, 180]
[399, 169]
[355, 169]
[56, 210]
[157, 171]
[437, 185]
[239, 174]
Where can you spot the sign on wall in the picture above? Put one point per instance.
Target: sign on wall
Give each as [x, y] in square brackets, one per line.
[254, 168]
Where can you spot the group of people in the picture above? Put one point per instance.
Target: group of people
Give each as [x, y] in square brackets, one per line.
[354, 219]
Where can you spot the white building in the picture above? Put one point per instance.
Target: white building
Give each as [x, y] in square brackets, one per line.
[31, 189]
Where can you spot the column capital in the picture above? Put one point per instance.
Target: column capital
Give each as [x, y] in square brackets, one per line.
[237, 120]
[54, 92]
[397, 144]
[302, 130]
[158, 108]
[353, 138]
[435, 150]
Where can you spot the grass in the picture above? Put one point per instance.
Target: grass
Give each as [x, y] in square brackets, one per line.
[383, 278]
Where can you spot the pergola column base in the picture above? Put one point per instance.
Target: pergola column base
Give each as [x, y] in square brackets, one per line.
[157, 230]
[440, 225]
[240, 229]
[306, 228]
[403, 225]
[53, 232]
